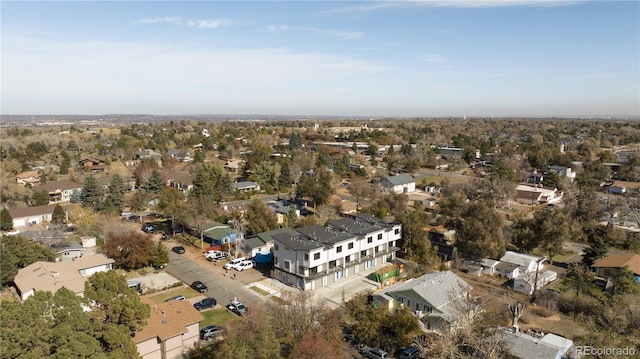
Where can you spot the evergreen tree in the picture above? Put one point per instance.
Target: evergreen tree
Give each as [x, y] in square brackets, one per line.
[160, 257]
[155, 184]
[210, 184]
[117, 190]
[284, 180]
[64, 167]
[198, 156]
[76, 196]
[91, 195]
[40, 198]
[59, 216]
[6, 222]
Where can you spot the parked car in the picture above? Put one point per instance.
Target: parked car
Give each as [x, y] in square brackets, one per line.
[176, 297]
[237, 307]
[244, 265]
[199, 286]
[178, 249]
[205, 303]
[212, 332]
[375, 353]
[234, 262]
[148, 229]
[212, 255]
[409, 353]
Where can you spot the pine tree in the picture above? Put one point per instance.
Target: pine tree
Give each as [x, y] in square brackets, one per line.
[117, 190]
[91, 195]
[155, 184]
[64, 167]
[59, 216]
[6, 222]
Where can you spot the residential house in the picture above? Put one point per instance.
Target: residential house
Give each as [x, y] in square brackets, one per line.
[608, 266]
[534, 195]
[261, 243]
[29, 177]
[507, 270]
[182, 155]
[172, 329]
[105, 182]
[563, 172]
[246, 186]
[443, 245]
[402, 183]
[51, 276]
[180, 180]
[68, 250]
[318, 256]
[528, 263]
[434, 297]
[212, 232]
[59, 191]
[624, 187]
[148, 153]
[533, 345]
[527, 284]
[283, 207]
[482, 266]
[92, 164]
[29, 216]
[233, 165]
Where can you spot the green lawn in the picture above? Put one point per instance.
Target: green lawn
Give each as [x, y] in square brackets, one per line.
[259, 291]
[560, 258]
[219, 316]
[187, 292]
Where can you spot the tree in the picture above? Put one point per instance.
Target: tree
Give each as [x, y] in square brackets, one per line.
[624, 282]
[360, 190]
[198, 156]
[284, 180]
[415, 241]
[172, 203]
[523, 235]
[479, 231]
[59, 216]
[597, 246]
[160, 257]
[40, 198]
[117, 190]
[117, 311]
[91, 195]
[579, 277]
[130, 250]
[155, 184]
[19, 252]
[317, 186]
[6, 221]
[210, 184]
[260, 218]
[553, 227]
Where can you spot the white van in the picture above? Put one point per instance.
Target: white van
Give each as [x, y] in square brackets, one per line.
[234, 263]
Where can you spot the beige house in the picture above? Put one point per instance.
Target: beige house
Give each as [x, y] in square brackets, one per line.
[171, 330]
[51, 276]
[31, 177]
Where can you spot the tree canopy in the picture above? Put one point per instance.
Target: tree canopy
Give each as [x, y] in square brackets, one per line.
[131, 250]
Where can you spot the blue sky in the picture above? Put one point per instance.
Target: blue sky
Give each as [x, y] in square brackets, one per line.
[377, 59]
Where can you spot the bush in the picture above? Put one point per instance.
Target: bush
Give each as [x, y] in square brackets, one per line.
[588, 306]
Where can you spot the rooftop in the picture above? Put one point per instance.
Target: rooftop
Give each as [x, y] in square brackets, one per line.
[620, 260]
[167, 320]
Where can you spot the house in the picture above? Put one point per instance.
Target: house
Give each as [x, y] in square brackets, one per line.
[624, 187]
[318, 256]
[262, 243]
[482, 266]
[233, 166]
[148, 153]
[526, 283]
[29, 216]
[59, 191]
[51, 276]
[105, 182]
[212, 232]
[442, 245]
[283, 207]
[29, 177]
[92, 164]
[563, 172]
[527, 263]
[608, 266]
[535, 194]
[434, 297]
[68, 250]
[533, 345]
[180, 180]
[402, 183]
[507, 270]
[182, 155]
[245, 186]
[172, 329]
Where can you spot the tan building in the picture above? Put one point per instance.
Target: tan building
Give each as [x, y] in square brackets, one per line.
[31, 177]
[51, 276]
[171, 330]
[609, 265]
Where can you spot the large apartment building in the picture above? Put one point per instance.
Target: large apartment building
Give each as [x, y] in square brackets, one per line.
[318, 256]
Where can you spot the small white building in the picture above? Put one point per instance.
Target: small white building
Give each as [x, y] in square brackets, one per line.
[527, 263]
[402, 183]
[527, 283]
[563, 172]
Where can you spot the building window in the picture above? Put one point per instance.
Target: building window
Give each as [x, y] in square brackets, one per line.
[338, 249]
[316, 256]
[275, 261]
[397, 231]
[350, 245]
[301, 270]
[417, 306]
[363, 253]
[369, 239]
[368, 264]
[306, 256]
[380, 236]
[347, 259]
[377, 250]
[275, 246]
[332, 264]
[339, 274]
[287, 265]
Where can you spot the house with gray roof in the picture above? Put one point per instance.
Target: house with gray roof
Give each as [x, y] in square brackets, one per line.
[317, 256]
[182, 155]
[402, 183]
[59, 191]
[263, 242]
[436, 298]
[245, 186]
[29, 216]
[535, 346]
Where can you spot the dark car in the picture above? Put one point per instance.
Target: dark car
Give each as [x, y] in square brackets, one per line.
[199, 286]
[205, 303]
[409, 353]
[212, 332]
[178, 249]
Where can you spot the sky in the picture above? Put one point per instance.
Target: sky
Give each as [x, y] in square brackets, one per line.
[322, 58]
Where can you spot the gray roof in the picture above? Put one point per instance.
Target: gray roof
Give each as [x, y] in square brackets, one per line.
[361, 225]
[438, 289]
[324, 235]
[525, 346]
[506, 267]
[281, 207]
[403, 178]
[297, 241]
[260, 239]
[245, 185]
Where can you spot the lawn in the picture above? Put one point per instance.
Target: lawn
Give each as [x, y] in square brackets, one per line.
[219, 316]
[559, 258]
[187, 292]
[262, 292]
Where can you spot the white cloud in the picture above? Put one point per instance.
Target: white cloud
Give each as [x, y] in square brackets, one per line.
[347, 35]
[198, 24]
[373, 6]
[277, 28]
[208, 24]
[168, 20]
[436, 59]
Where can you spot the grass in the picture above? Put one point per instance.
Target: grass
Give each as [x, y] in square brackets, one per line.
[560, 258]
[259, 290]
[187, 292]
[219, 316]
